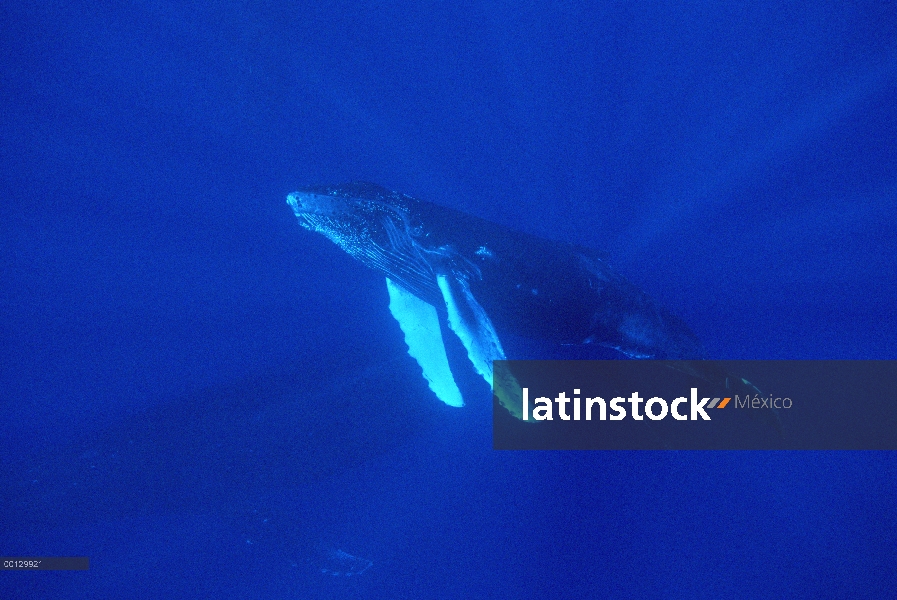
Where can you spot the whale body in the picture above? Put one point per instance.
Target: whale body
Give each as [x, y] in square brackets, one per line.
[486, 282]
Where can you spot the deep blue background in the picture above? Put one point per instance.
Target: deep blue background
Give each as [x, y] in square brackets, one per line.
[738, 162]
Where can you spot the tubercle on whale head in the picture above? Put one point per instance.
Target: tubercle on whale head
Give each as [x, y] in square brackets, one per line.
[311, 203]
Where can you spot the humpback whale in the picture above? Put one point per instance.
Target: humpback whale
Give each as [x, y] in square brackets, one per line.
[486, 281]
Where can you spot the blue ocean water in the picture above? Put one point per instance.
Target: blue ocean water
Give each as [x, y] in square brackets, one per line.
[209, 401]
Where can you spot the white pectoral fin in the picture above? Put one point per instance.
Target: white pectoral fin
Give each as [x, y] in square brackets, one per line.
[471, 324]
[420, 324]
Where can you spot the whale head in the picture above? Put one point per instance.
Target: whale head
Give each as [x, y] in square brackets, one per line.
[377, 227]
[370, 223]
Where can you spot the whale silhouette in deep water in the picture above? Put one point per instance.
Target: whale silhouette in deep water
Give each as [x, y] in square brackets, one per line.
[260, 443]
[487, 281]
